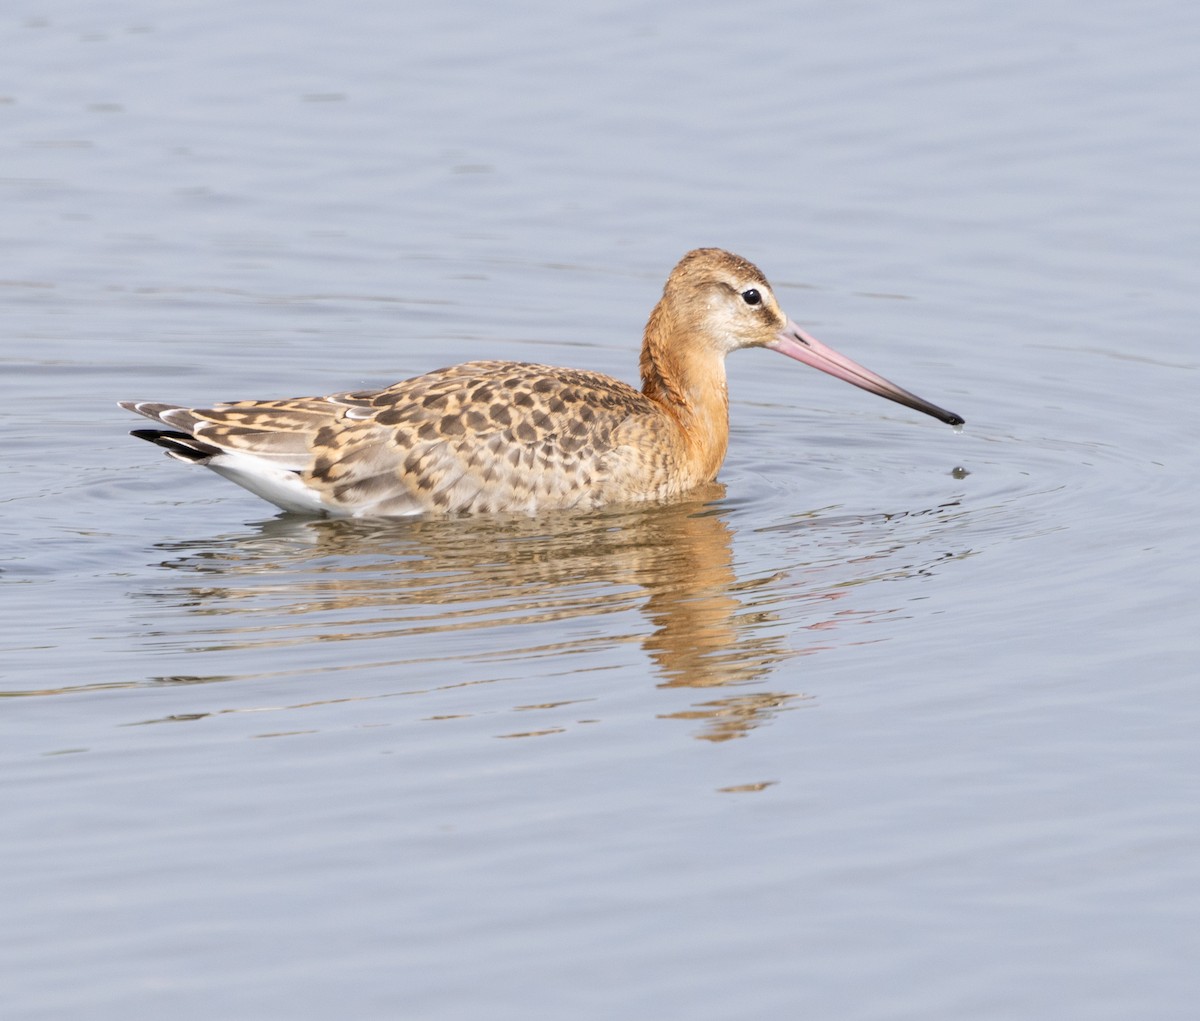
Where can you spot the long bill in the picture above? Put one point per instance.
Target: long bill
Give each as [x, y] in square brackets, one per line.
[795, 343]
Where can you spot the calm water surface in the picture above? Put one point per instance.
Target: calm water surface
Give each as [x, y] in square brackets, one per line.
[891, 722]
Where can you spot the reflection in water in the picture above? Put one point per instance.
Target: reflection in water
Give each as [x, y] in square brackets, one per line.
[516, 590]
[733, 716]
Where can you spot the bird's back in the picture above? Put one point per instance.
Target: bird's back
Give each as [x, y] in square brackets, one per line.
[481, 436]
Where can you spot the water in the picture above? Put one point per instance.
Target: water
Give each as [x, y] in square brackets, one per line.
[892, 722]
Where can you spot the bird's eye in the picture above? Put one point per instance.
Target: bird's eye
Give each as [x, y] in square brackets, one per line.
[751, 297]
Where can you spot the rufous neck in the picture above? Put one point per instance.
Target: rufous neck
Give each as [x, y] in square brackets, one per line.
[686, 377]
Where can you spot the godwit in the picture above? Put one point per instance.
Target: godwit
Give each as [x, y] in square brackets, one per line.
[513, 436]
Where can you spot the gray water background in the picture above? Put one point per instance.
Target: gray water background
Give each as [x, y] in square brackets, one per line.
[895, 723]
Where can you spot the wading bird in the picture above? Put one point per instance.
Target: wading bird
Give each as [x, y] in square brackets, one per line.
[492, 436]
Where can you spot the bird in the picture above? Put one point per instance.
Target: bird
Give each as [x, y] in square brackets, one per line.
[517, 437]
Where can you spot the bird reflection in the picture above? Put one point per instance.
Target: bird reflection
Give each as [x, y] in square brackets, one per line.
[661, 576]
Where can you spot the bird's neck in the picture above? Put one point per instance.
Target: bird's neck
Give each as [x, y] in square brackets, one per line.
[688, 382]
